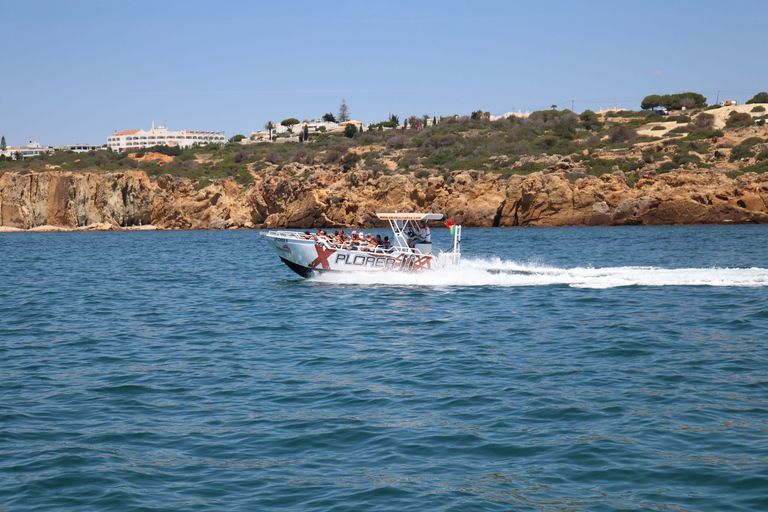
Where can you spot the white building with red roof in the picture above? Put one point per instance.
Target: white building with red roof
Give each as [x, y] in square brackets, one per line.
[134, 140]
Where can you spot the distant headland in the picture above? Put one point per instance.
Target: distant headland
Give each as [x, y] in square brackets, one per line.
[663, 165]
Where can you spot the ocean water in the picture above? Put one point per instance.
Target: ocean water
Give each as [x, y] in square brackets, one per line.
[573, 369]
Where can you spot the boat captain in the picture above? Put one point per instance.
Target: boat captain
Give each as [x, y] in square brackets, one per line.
[424, 236]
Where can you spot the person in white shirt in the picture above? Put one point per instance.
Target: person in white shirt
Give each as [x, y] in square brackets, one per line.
[425, 235]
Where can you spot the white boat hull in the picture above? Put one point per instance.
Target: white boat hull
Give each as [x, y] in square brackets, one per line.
[306, 257]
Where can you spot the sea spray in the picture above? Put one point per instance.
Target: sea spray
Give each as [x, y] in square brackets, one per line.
[509, 273]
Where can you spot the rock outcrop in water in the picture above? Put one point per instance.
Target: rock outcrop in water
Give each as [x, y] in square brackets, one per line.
[297, 196]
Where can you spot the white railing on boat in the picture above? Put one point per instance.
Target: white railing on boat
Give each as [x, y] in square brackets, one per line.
[328, 244]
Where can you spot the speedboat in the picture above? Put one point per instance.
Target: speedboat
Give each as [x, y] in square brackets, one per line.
[408, 252]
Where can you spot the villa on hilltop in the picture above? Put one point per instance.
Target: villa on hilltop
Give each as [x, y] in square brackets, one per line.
[287, 133]
[137, 139]
[36, 149]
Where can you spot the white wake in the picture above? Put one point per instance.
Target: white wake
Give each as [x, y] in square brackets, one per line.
[504, 273]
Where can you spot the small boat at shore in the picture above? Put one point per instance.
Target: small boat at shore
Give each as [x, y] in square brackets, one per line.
[410, 250]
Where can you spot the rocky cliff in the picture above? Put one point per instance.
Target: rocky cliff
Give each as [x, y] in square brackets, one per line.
[298, 196]
[118, 199]
[474, 198]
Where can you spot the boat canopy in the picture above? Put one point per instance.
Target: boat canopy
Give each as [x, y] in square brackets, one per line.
[409, 216]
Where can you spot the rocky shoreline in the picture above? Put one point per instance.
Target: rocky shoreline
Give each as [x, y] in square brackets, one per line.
[301, 196]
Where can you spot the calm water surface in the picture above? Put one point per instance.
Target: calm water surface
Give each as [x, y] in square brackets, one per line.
[578, 369]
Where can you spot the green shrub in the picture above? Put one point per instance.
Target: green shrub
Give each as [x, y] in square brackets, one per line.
[442, 141]
[468, 164]
[760, 168]
[683, 156]
[599, 166]
[667, 166]
[397, 141]
[563, 131]
[650, 157]
[590, 120]
[349, 160]
[738, 119]
[711, 135]
[702, 126]
[635, 165]
[698, 147]
[758, 108]
[622, 133]
[761, 97]
[745, 149]
[163, 150]
[740, 152]
[657, 128]
[673, 101]
[440, 158]
[151, 168]
[275, 157]
[243, 176]
[751, 141]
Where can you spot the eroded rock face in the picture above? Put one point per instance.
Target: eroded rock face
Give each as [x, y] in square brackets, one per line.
[473, 198]
[79, 199]
[182, 205]
[68, 199]
[319, 196]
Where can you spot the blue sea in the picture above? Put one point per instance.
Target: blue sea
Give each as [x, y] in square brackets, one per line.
[555, 369]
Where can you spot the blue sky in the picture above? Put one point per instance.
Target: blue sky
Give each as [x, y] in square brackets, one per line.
[76, 71]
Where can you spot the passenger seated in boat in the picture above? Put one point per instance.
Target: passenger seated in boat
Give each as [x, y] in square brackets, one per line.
[306, 236]
[354, 242]
[369, 243]
[424, 236]
[345, 241]
[385, 243]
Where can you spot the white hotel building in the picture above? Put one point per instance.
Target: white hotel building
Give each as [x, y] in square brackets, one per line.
[137, 139]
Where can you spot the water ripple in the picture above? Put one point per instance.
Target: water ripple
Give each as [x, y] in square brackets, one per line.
[191, 371]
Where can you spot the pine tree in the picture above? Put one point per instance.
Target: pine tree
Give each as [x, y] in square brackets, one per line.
[3, 147]
[343, 112]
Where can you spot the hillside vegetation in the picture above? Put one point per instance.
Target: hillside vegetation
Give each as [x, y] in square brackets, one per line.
[638, 142]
